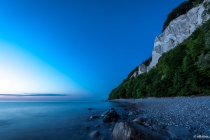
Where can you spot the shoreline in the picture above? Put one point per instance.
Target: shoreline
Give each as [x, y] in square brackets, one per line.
[192, 114]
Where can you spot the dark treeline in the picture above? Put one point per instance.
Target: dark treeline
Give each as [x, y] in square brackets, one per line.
[182, 71]
[183, 8]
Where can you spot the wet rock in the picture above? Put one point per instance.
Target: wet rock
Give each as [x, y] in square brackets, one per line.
[112, 114]
[93, 117]
[94, 134]
[131, 130]
[104, 114]
[114, 119]
[111, 108]
[109, 116]
[106, 119]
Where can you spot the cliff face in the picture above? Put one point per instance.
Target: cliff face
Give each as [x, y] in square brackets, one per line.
[178, 30]
[182, 71]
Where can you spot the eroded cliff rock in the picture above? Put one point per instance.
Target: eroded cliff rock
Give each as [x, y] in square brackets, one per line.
[178, 30]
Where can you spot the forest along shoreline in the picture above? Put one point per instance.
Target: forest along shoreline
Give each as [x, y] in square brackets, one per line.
[164, 118]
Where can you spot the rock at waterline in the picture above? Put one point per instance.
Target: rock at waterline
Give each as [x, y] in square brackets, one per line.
[93, 117]
[110, 116]
[104, 114]
[106, 119]
[89, 109]
[94, 134]
[131, 130]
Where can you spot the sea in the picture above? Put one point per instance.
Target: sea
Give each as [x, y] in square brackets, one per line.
[54, 120]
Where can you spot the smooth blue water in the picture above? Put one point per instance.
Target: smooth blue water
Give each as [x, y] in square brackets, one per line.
[52, 120]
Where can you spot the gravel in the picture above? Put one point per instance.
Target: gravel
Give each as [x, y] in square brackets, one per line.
[193, 113]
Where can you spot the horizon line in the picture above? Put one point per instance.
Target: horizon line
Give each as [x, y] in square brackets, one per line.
[33, 94]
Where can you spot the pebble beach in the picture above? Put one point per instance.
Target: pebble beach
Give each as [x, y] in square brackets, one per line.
[191, 113]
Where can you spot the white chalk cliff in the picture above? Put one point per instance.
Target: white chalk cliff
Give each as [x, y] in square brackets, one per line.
[177, 31]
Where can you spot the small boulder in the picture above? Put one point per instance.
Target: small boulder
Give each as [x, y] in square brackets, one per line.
[106, 119]
[94, 134]
[114, 119]
[133, 131]
[112, 114]
[109, 116]
[104, 114]
[93, 117]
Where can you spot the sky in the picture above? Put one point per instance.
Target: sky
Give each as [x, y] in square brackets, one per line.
[79, 48]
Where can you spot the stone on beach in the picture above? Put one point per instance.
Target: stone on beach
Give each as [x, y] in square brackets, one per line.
[110, 116]
[104, 114]
[106, 119]
[130, 130]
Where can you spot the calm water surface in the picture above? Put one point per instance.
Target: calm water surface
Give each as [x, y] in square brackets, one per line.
[52, 120]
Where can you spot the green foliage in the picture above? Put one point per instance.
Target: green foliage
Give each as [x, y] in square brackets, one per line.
[204, 61]
[182, 71]
[183, 8]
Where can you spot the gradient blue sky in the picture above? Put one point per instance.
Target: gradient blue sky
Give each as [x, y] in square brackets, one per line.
[84, 48]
